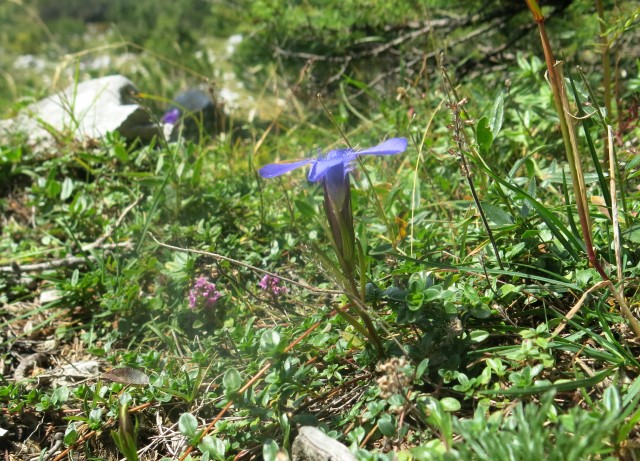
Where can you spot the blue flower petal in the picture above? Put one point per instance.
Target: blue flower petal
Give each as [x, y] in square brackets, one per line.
[338, 153]
[322, 165]
[389, 147]
[171, 116]
[334, 158]
[276, 169]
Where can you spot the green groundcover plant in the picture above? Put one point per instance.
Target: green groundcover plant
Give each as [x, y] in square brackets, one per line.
[470, 296]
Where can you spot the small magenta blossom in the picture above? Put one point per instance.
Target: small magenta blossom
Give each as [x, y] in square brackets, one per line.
[203, 294]
[272, 285]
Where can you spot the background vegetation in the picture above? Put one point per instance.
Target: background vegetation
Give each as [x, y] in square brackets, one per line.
[521, 353]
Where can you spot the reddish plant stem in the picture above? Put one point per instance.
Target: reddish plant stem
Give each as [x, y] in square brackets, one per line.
[568, 134]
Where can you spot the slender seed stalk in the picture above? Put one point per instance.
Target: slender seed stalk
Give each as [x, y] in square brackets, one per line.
[476, 199]
[613, 157]
[460, 139]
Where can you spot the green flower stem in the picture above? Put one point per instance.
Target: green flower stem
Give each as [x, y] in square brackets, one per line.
[337, 207]
[357, 303]
[381, 214]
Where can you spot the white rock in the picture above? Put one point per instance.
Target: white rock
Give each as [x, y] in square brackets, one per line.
[88, 110]
[312, 444]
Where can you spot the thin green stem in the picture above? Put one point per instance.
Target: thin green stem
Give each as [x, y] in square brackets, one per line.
[606, 60]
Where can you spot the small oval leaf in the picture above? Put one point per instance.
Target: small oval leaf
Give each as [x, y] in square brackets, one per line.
[232, 380]
[188, 424]
[484, 136]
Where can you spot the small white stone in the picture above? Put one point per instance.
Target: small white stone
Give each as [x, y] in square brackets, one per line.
[49, 296]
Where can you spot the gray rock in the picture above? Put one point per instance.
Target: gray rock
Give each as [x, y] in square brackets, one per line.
[88, 110]
[312, 444]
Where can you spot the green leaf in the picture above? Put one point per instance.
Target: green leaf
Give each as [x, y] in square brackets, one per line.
[628, 426]
[95, 418]
[633, 392]
[635, 161]
[70, 435]
[75, 276]
[422, 367]
[213, 446]
[60, 395]
[450, 404]
[634, 236]
[497, 215]
[497, 115]
[305, 209]
[387, 425]
[568, 240]
[438, 417]
[52, 187]
[431, 294]
[611, 399]
[13, 155]
[357, 435]
[232, 380]
[515, 250]
[67, 189]
[508, 288]
[478, 336]
[484, 135]
[584, 276]
[560, 386]
[120, 153]
[188, 424]
[270, 450]
[269, 340]
[415, 301]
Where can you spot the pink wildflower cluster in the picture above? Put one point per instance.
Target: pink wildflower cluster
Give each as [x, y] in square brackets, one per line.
[203, 294]
[272, 285]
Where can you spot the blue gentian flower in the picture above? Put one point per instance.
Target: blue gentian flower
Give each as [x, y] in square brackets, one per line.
[333, 170]
[342, 158]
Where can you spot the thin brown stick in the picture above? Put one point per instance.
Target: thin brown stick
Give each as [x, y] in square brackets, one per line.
[370, 52]
[92, 434]
[111, 230]
[68, 261]
[78, 442]
[77, 260]
[624, 308]
[243, 264]
[574, 310]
